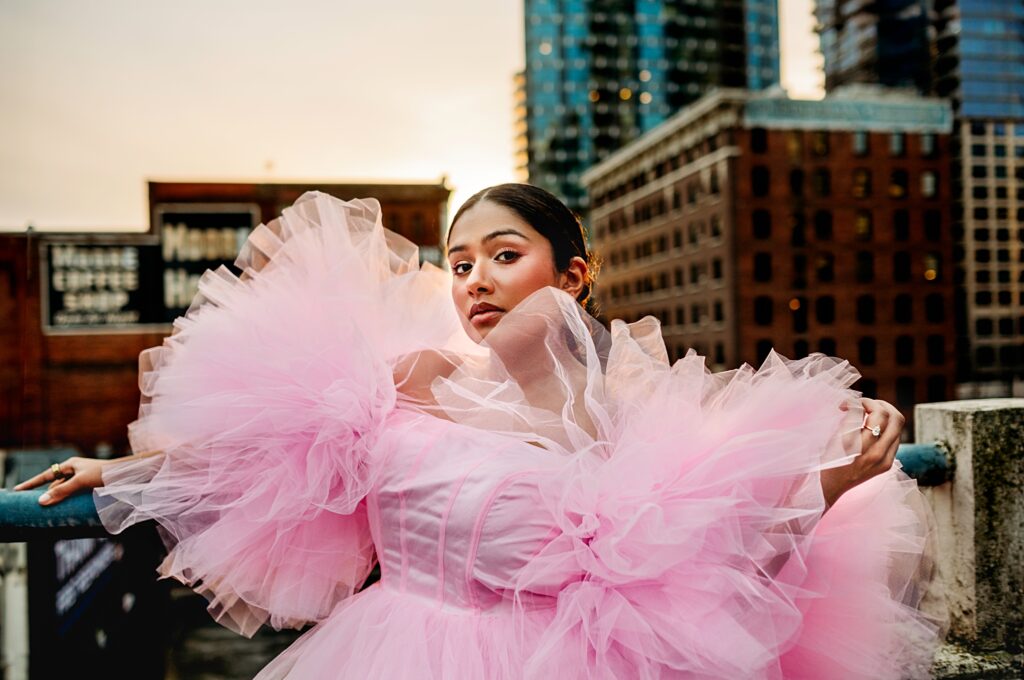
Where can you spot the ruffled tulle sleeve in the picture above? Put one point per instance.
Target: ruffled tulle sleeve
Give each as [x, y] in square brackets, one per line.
[267, 402]
[682, 536]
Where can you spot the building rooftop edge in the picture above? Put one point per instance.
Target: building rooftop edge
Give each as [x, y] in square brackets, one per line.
[775, 109]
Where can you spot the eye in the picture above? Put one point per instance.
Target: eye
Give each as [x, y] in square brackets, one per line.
[507, 256]
[460, 268]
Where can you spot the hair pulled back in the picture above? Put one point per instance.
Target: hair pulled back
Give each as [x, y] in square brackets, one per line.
[551, 218]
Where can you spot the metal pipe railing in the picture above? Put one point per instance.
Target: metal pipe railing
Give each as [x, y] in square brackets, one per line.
[23, 519]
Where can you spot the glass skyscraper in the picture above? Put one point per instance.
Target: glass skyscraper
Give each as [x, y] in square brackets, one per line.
[972, 52]
[599, 74]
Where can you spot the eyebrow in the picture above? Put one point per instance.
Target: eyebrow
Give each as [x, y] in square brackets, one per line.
[493, 235]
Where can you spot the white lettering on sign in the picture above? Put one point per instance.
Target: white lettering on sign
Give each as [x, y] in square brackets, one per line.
[180, 287]
[182, 244]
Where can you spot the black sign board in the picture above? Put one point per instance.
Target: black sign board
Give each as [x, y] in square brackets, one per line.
[196, 237]
[100, 287]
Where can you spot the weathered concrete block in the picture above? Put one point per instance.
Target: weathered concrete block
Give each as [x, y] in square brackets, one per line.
[980, 520]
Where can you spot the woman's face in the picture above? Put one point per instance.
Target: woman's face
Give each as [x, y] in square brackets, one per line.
[497, 261]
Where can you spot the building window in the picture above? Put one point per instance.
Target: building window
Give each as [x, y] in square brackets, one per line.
[901, 266]
[861, 143]
[862, 225]
[905, 389]
[758, 140]
[932, 267]
[715, 227]
[904, 350]
[801, 349]
[933, 225]
[899, 182]
[797, 237]
[764, 348]
[983, 327]
[929, 184]
[903, 309]
[798, 305]
[796, 182]
[934, 308]
[762, 267]
[823, 225]
[762, 220]
[928, 145]
[897, 144]
[868, 388]
[763, 310]
[822, 180]
[861, 183]
[827, 346]
[825, 267]
[760, 180]
[716, 269]
[718, 311]
[866, 309]
[936, 347]
[867, 351]
[825, 309]
[819, 143]
[901, 225]
[937, 388]
[800, 271]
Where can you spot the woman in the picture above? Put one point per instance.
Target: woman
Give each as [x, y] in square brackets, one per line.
[546, 498]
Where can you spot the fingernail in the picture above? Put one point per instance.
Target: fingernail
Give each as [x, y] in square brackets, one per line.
[44, 499]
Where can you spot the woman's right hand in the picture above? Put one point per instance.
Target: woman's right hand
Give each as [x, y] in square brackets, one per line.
[75, 474]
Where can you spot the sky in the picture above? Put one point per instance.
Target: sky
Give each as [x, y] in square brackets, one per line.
[98, 97]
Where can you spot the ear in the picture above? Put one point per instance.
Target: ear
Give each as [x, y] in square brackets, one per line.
[574, 278]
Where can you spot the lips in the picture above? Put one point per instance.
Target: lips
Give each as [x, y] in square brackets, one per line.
[482, 312]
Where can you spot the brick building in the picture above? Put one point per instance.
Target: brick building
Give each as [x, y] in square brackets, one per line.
[751, 221]
[78, 308]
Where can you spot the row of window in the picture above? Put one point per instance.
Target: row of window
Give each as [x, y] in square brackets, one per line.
[696, 234]
[656, 206]
[984, 255]
[864, 267]
[1006, 327]
[1001, 213]
[761, 225]
[998, 172]
[1008, 355]
[699, 313]
[1000, 193]
[860, 140]
[1002, 276]
[860, 183]
[670, 164]
[1002, 298]
[866, 313]
[699, 274]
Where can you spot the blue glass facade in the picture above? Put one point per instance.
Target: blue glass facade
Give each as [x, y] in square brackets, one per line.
[886, 42]
[600, 74]
[990, 38]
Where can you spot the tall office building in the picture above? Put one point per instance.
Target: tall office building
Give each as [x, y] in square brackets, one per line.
[875, 41]
[599, 75]
[752, 221]
[972, 52]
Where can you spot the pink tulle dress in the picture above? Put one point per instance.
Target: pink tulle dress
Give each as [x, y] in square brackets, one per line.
[560, 501]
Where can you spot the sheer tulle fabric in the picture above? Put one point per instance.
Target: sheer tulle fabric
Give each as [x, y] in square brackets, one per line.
[559, 501]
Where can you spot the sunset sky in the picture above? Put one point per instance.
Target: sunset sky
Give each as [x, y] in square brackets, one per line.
[97, 97]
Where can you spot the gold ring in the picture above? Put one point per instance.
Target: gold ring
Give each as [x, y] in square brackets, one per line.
[58, 473]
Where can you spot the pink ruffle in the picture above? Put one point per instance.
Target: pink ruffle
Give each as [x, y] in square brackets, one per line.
[268, 429]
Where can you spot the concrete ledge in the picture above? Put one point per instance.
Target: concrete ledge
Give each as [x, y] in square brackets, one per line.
[23, 519]
[956, 663]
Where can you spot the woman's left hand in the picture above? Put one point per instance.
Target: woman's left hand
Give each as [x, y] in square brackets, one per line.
[877, 451]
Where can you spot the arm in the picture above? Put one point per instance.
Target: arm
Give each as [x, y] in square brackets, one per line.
[877, 452]
[76, 474]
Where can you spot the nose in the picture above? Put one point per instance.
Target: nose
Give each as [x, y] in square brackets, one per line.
[478, 282]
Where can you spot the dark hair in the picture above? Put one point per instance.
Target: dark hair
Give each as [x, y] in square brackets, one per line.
[544, 212]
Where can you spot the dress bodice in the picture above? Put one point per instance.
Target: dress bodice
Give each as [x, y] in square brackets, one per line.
[456, 512]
